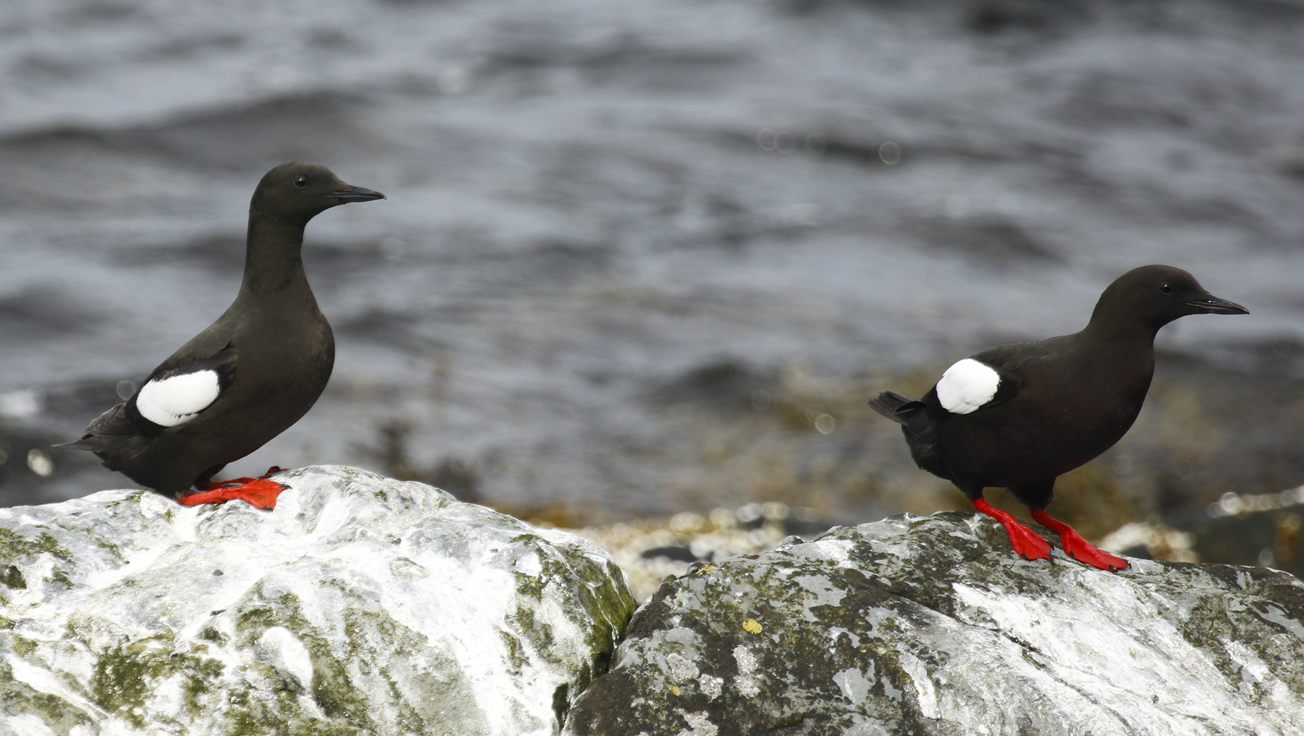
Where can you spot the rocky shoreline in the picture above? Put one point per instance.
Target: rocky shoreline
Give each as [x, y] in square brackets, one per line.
[368, 605]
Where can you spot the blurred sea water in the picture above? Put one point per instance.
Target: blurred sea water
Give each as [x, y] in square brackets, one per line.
[641, 257]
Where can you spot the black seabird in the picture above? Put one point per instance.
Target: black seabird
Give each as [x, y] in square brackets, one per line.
[1018, 416]
[250, 375]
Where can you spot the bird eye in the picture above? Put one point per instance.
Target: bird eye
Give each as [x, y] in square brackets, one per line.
[1165, 288]
[301, 182]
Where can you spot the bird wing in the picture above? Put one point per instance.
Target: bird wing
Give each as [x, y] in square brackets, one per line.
[985, 380]
[179, 390]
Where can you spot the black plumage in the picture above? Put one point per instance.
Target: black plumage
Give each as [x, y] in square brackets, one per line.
[1018, 416]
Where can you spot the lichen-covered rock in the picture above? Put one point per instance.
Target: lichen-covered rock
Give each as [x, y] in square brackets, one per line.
[933, 626]
[360, 605]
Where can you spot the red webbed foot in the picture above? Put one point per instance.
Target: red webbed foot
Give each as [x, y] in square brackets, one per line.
[259, 492]
[1029, 544]
[1077, 547]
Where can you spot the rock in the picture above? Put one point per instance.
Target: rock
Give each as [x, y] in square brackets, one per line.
[360, 605]
[931, 625]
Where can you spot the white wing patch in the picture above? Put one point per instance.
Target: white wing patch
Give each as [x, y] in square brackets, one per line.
[171, 401]
[967, 386]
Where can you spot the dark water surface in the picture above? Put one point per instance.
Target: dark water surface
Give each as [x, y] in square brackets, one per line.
[646, 256]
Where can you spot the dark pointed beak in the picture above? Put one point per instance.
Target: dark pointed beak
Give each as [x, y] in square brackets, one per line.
[1214, 305]
[356, 194]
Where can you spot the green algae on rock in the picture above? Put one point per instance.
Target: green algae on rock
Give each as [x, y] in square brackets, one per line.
[929, 625]
[360, 605]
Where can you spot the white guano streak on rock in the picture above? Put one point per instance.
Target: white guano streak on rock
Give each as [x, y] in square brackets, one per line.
[285, 654]
[427, 603]
[924, 692]
[834, 550]
[1125, 667]
[853, 683]
[1279, 617]
[990, 684]
[42, 680]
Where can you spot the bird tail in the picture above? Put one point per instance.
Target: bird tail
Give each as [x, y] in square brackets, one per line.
[894, 406]
[98, 437]
[87, 442]
[922, 432]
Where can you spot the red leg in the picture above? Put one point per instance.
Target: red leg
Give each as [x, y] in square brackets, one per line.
[1077, 547]
[259, 492]
[1026, 542]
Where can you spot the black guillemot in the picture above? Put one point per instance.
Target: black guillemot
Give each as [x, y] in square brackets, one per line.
[249, 376]
[1018, 416]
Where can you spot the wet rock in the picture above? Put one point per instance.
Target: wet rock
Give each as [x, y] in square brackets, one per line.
[931, 625]
[360, 605]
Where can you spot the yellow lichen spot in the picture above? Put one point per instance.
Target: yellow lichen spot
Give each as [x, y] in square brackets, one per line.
[752, 626]
[675, 689]
[707, 568]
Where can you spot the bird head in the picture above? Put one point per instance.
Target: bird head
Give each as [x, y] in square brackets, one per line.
[297, 192]
[1157, 295]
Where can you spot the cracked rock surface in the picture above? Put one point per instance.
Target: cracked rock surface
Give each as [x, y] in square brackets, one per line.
[932, 625]
[360, 605]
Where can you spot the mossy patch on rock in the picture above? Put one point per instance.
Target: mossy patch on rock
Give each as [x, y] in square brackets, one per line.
[18, 700]
[125, 677]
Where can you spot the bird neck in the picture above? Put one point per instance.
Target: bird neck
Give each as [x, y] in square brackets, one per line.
[1114, 324]
[273, 259]
[1124, 350]
[1122, 335]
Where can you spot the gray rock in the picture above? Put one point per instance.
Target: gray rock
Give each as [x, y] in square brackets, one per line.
[933, 626]
[360, 605]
